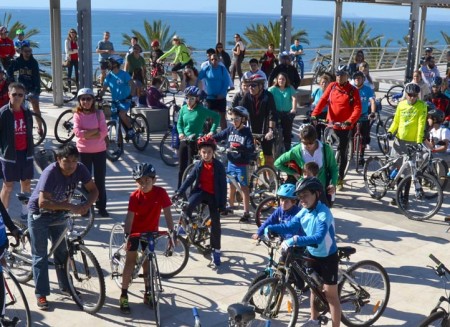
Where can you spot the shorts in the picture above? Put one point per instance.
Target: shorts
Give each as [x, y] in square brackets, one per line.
[134, 242]
[33, 96]
[240, 172]
[121, 105]
[219, 105]
[267, 146]
[179, 65]
[20, 170]
[326, 267]
[104, 65]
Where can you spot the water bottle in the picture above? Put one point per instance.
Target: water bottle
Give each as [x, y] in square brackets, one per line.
[315, 276]
[151, 244]
[196, 317]
[393, 173]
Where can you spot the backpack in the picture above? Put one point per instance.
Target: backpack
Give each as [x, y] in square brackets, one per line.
[350, 94]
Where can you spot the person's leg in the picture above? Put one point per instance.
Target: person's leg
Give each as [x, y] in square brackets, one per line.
[130, 262]
[343, 137]
[34, 99]
[286, 123]
[5, 194]
[239, 66]
[232, 196]
[233, 69]
[60, 254]
[125, 119]
[301, 65]
[194, 200]
[70, 69]
[75, 66]
[99, 163]
[183, 156]
[215, 227]
[331, 293]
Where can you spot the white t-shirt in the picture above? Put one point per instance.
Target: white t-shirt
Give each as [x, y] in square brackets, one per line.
[440, 134]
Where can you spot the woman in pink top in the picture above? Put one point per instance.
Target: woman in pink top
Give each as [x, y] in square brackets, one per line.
[90, 129]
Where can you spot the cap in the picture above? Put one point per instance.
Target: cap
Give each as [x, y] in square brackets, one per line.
[3, 29]
[175, 37]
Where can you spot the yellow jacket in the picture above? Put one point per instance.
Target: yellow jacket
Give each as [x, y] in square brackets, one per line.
[409, 121]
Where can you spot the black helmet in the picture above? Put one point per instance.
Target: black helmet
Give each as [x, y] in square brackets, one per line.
[437, 81]
[359, 74]
[240, 111]
[341, 70]
[143, 169]
[309, 183]
[412, 88]
[437, 115]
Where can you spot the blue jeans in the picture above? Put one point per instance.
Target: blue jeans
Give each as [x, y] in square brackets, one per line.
[40, 232]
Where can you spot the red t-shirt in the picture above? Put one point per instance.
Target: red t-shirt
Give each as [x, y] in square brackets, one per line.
[20, 130]
[147, 209]
[207, 177]
[73, 46]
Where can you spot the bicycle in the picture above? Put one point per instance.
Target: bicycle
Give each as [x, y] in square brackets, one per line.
[426, 192]
[172, 256]
[439, 316]
[321, 67]
[394, 95]
[363, 288]
[116, 128]
[168, 147]
[39, 125]
[160, 70]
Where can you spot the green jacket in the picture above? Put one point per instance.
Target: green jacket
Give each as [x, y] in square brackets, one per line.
[296, 154]
[190, 122]
[182, 54]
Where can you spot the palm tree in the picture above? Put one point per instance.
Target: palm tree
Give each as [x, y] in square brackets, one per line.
[405, 41]
[354, 36]
[260, 35]
[12, 28]
[446, 37]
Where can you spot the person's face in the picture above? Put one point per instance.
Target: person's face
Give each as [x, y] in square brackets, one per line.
[307, 173]
[237, 38]
[86, 102]
[286, 204]
[26, 52]
[323, 83]
[359, 57]
[431, 64]
[359, 81]
[220, 48]
[191, 101]
[175, 41]
[341, 79]
[254, 88]
[417, 77]
[309, 145]
[430, 121]
[411, 98]
[307, 199]
[254, 67]
[136, 50]
[236, 120]
[189, 72]
[133, 41]
[68, 165]
[145, 183]
[281, 80]
[16, 96]
[297, 42]
[270, 49]
[244, 87]
[106, 36]
[206, 153]
[20, 37]
[214, 60]
[435, 89]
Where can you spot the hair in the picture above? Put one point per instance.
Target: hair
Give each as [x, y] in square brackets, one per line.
[70, 31]
[67, 150]
[325, 77]
[156, 80]
[312, 167]
[357, 53]
[210, 51]
[417, 71]
[106, 32]
[219, 44]
[253, 61]
[275, 80]
[187, 78]
[134, 38]
[308, 133]
[237, 35]
[271, 45]
[16, 85]
[363, 66]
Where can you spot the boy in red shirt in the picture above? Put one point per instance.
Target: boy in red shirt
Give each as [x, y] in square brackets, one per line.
[144, 209]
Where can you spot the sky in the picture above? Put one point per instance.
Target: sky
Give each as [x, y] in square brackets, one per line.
[303, 7]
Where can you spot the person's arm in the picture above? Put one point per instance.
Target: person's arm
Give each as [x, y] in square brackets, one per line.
[319, 235]
[222, 135]
[168, 217]
[237, 49]
[357, 108]
[67, 48]
[323, 101]
[46, 201]
[180, 124]
[165, 55]
[87, 134]
[125, 67]
[36, 78]
[7, 219]
[216, 120]
[92, 190]
[272, 220]
[331, 164]
[421, 125]
[294, 101]
[190, 179]
[128, 222]
[395, 121]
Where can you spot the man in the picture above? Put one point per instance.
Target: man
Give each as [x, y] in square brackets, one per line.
[261, 107]
[286, 67]
[20, 42]
[217, 81]
[105, 49]
[254, 70]
[7, 50]
[16, 145]
[429, 71]
[182, 57]
[50, 200]
[135, 61]
[297, 51]
[344, 106]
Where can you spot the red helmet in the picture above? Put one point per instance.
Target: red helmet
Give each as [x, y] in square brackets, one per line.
[155, 43]
[257, 78]
[294, 166]
[206, 141]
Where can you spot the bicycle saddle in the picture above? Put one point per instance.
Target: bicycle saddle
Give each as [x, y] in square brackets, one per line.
[346, 251]
[241, 312]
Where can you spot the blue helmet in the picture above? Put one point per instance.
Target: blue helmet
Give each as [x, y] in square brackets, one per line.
[116, 58]
[192, 91]
[287, 191]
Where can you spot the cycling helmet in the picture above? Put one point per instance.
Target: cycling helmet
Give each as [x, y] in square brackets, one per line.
[206, 141]
[143, 169]
[428, 49]
[284, 55]
[116, 58]
[175, 37]
[19, 32]
[287, 191]
[85, 91]
[437, 81]
[341, 70]
[192, 91]
[437, 115]
[412, 88]
[240, 111]
[257, 78]
[359, 74]
[155, 43]
[309, 183]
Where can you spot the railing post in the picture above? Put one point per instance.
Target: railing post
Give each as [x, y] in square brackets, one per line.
[381, 58]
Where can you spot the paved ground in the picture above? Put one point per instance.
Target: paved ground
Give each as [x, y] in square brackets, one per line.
[375, 228]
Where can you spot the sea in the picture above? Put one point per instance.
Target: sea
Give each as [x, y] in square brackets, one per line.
[199, 29]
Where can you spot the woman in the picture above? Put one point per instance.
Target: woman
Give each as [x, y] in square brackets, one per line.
[424, 88]
[71, 46]
[286, 105]
[190, 78]
[315, 97]
[354, 66]
[182, 56]
[238, 57]
[89, 126]
[135, 61]
[223, 56]
[138, 92]
[268, 60]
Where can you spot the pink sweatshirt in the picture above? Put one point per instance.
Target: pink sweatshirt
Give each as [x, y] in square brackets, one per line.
[83, 122]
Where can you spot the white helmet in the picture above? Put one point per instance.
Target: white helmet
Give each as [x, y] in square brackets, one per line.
[85, 91]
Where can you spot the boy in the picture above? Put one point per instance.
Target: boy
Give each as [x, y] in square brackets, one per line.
[240, 142]
[144, 209]
[439, 136]
[311, 169]
[154, 95]
[210, 187]
[317, 223]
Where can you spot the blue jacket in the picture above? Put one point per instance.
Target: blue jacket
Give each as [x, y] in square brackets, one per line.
[279, 216]
[242, 141]
[220, 182]
[216, 81]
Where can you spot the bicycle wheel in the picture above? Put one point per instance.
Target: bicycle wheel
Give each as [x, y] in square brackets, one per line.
[86, 280]
[437, 318]
[117, 253]
[365, 296]
[17, 310]
[171, 259]
[83, 223]
[375, 180]
[141, 130]
[439, 170]
[169, 154]
[39, 129]
[114, 147]
[274, 301]
[64, 127]
[388, 122]
[394, 95]
[382, 140]
[263, 183]
[421, 201]
[357, 151]
[69, 89]
[265, 208]
[155, 289]
[183, 178]
[18, 259]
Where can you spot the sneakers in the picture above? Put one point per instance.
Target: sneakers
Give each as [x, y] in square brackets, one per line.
[42, 303]
[340, 185]
[311, 323]
[130, 135]
[148, 299]
[124, 306]
[103, 213]
[216, 258]
[245, 218]
[393, 202]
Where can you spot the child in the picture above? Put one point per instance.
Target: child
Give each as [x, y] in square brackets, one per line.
[439, 136]
[144, 209]
[240, 142]
[210, 187]
[315, 96]
[154, 95]
[310, 169]
[364, 68]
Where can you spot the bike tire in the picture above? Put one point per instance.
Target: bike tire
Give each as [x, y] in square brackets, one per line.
[171, 260]
[431, 198]
[263, 183]
[266, 293]
[155, 290]
[265, 208]
[82, 224]
[114, 148]
[64, 127]
[141, 130]
[38, 134]
[394, 95]
[357, 151]
[16, 304]
[185, 175]
[97, 78]
[375, 181]
[438, 318]
[439, 170]
[19, 259]
[168, 154]
[388, 122]
[364, 303]
[117, 253]
[382, 140]
[86, 280]
[69, 89]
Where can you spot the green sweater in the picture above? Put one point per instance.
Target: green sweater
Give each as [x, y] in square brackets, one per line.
[182, 54]
[190, 122]
[296, 154]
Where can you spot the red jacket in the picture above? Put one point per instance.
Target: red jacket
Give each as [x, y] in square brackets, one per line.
[7, 48]
[343, 102]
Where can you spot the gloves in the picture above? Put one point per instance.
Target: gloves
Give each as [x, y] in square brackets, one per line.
[390, 136]
[347, 123]
[269, 135]
[372, 115]
[314, 120]
[267, 232]
[288, 243]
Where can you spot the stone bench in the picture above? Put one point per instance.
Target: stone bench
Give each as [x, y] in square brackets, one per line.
[158, 119]
[304, 91]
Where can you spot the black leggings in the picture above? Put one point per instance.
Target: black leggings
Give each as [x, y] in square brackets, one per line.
[343, 136]
[286, 120]
[186, 153]
[98, 162]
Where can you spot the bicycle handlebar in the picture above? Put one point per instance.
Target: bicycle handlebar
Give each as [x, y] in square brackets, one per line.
[439, 264]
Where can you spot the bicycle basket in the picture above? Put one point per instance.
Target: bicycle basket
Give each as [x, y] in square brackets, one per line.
[43, 158]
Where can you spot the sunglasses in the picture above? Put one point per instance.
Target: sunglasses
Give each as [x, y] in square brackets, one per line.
[86, 99]
[20, 95]
[253, 85]
[412, 95]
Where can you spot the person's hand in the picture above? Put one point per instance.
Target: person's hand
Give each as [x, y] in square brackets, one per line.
[210, 134]
[175, 197]
[255, 236]
[347, 123]
[390, 136]
[293, 111]
[16, 234]
[269, 135]
[267, 232]
[331, 189]
[181, 137]
[372, 115]
[288, 243]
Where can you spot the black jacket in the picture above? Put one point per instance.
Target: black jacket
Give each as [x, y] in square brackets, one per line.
[29, 74]
[290, 71]
[261, 112]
